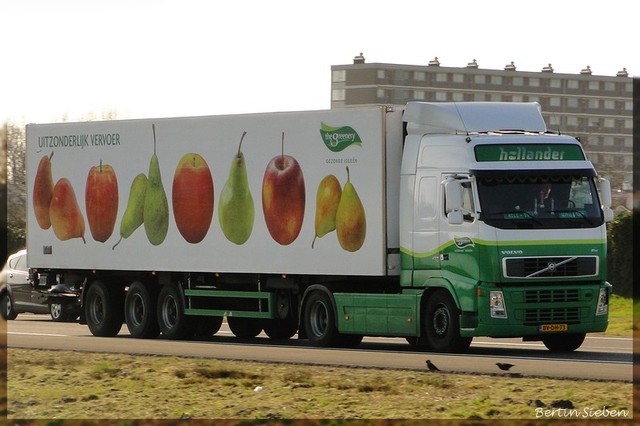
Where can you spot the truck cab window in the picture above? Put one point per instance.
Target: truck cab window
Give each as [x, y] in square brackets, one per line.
[552, 202]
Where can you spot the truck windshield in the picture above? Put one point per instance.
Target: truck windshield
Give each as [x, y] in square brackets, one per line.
[549, 202]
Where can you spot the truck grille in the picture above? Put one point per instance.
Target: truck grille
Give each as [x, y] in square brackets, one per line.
[551, 296]
[554, 315]
[547, 267]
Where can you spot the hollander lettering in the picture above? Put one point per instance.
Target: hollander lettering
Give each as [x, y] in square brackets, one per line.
[521, 153]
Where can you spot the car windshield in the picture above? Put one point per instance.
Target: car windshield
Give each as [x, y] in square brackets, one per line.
[539, 202]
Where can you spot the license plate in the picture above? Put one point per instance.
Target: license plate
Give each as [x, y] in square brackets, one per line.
[552, 328]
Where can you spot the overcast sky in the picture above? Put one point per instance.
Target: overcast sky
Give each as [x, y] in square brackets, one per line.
[151, 58]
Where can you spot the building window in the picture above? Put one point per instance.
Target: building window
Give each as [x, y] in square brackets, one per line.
[609, 122]
[628, 160]
[517, 81]
[458, 78]
[516, 98]
[478, 97]
[608, 141]
[418, 95]
[572, 121]
[594, 103]
[479, 79]
[609, 104]
[556, 83]
[573, 84]
[337, 95]
[594, 85]
[554, 120]
[441, 77]
[496, 97]
[628, 105]
[610, 86]
[380, 94]
[420, 76]
[534, 98]
[554, 101]
[572, 102]
[457, 96]
[441, 96]
[534, 82]
[382, 74]
[339, 76]
[628, 142]
[496, 79]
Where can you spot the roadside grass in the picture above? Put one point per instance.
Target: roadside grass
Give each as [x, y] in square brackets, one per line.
[72, 385]
[622, 311]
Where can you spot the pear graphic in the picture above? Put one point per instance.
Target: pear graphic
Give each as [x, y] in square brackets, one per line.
[327, 200]
[155, 213]
[351, 222]
[236, 212]
[43, 191]
[132, 218]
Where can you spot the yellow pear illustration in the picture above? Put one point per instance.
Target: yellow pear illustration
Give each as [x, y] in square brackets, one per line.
[351, 221]
[327, 200]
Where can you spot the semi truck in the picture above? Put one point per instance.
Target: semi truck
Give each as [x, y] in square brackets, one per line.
[433, 222]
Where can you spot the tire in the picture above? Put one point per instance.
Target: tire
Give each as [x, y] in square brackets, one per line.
[563, 342]
[286, 325]
[140, 311]
[104, 310]
[442, 325]
[320, 319]
[207, 326]
[8, 313]
[173, 322]
[245, 328]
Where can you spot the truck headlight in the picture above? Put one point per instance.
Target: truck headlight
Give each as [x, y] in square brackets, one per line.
[603, 302]
[496, 304]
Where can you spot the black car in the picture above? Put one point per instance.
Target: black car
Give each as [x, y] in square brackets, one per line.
[18, 293]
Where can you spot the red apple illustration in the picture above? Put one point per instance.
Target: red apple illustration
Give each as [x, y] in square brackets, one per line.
[192, 197]
[283, 198]
[101, 201]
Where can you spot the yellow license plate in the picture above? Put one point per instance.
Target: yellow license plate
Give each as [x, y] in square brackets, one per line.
[552, 328]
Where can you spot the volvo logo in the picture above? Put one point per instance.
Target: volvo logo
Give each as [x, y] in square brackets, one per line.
[551, 266]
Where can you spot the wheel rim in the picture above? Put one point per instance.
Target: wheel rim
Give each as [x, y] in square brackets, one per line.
[169, 312]
[136, 310]
[441, 320]
[318, 318]
[96, 310]
[56, 310]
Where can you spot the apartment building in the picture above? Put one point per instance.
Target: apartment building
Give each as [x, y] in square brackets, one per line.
[597, 109]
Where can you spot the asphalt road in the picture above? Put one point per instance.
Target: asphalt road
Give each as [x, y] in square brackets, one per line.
[599, 358]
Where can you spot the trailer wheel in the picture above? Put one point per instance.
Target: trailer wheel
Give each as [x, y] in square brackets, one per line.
[207, 326]
[244, 327]
[563, 342]
[140, 311]
[174, 323]
[442, 327]
[285, 325]
[320, 319]
[103, 310]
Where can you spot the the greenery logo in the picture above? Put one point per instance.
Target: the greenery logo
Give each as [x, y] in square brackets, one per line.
[339, 138]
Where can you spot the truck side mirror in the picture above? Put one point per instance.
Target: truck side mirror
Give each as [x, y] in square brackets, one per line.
[605, 194]
[453, 202]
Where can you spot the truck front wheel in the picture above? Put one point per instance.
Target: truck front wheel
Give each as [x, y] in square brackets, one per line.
[442, 325]
[104, 310]
[320, 319]
[140, 311]
[563, 342]
[173, 321]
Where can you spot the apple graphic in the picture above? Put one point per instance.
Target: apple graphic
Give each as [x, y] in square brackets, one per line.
[283, 197]
[101, 201]
[192, 197]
